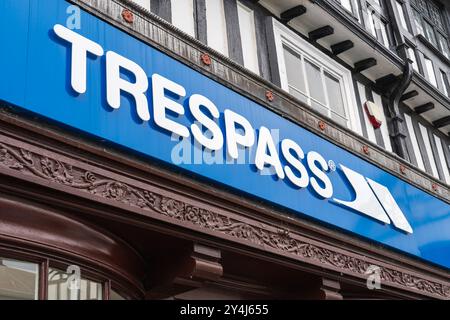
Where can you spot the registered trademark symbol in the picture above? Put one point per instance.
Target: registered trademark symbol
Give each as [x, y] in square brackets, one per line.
[331, 165]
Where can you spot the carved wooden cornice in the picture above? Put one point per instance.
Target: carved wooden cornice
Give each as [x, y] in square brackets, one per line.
[53, 170]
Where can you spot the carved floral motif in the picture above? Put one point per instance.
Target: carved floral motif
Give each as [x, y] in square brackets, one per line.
[56, 171]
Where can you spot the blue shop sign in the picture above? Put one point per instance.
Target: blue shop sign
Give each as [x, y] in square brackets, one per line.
[110, 85]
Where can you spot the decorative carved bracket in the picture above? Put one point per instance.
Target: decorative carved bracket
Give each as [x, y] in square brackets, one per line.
[204, 263]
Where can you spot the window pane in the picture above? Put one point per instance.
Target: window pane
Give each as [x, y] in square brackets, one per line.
[294, 70]
[445, 83]
[401, 15]
[347, 4]
[316, 90]
[443, 45]
[18, 280]
[429, 33]
[384, 37]
[418, 22]
[412, 56]
[430, 71]
[60, 287]
[379, 29]
[371, 23]
[335, 95]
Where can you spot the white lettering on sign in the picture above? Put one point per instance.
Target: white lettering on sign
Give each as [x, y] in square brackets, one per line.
[115, 83]
[215, 142]
[370, 197]
[80, 48]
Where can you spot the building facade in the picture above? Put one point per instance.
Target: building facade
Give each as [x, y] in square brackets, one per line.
[225, 149]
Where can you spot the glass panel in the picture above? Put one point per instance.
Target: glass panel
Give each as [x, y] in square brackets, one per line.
[412, 56]
[435, 15]
[418, 22]
[339, 119]
[335, 95]
[347, 4]
[445, 83]
[299, 95]
[370, 22]
[61, 287]
[384, 37]
[430, 71]
[320, 107]
[429, 33]
[443, 45]
[401, 15]
[379, 29]
[115, 296]
[294, 70]
[316, 90]
[18, 280]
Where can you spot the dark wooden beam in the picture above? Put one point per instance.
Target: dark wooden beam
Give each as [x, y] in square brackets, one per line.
[409, 95]
[320, 33]
[424, 108]
[292, 13]
[442, 122]
[365, 64]
[387, 80]
[341, 47]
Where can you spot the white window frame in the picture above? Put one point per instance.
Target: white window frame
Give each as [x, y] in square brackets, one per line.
[284, 36]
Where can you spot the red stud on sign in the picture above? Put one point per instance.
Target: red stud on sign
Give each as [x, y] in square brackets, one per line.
[269, 95]
[365, 149]
[206, 59]
[127, 15]
[322, 125]
[402, 169]
[434, 186]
